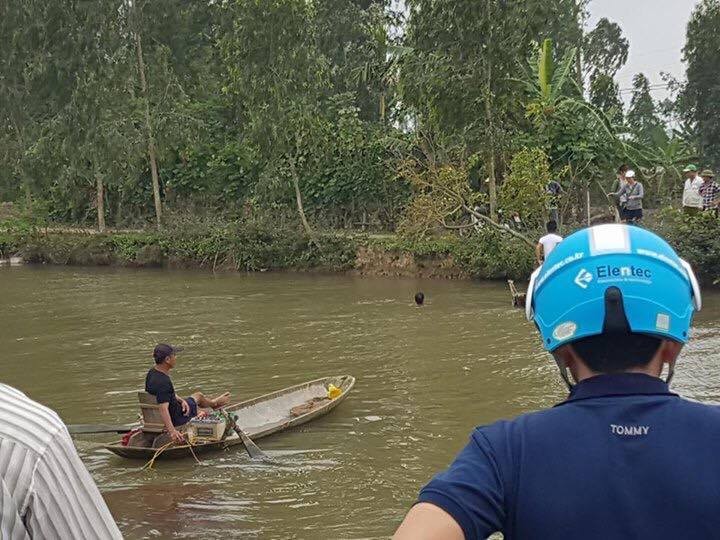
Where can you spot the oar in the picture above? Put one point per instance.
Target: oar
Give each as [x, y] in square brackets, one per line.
[252, 449]
[78, 429]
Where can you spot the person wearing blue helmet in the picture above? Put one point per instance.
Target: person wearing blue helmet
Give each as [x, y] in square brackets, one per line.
[622, 456]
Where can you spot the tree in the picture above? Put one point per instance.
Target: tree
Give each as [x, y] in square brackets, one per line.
[605, 95]
[642, 116]
[458, 80]
[605, 50]
[700, 99]
[42, 46]
[279, 79]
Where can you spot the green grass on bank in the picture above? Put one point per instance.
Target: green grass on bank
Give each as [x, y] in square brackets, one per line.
[254, 246]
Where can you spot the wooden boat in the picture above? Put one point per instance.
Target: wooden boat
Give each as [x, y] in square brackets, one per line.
[260, 417]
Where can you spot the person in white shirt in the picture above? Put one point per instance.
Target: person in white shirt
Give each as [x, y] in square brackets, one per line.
[45, 490]
[692, 200]
[548, 242]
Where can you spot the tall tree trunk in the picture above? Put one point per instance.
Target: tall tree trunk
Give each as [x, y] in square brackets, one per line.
[100, 202]
[25, 179]
[578, 55]
[148, 127]
[492, 186]
[587, 201]
[28, 192]
[298, 199]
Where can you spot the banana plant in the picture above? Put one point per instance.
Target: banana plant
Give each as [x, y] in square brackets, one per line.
[548, 84]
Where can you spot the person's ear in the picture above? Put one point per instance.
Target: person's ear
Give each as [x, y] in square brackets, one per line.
[669, 351]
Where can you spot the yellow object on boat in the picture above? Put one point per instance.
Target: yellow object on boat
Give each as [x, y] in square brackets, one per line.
[333, 391]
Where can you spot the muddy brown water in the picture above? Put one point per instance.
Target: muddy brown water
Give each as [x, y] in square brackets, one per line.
[79, 340]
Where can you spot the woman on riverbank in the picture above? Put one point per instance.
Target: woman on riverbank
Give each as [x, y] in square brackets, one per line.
[632, 193]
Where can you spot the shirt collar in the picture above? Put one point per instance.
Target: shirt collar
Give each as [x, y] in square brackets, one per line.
[619, 384]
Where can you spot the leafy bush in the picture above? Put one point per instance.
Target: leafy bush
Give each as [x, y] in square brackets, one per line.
[696, 239]
[524, 191]
[487, 254]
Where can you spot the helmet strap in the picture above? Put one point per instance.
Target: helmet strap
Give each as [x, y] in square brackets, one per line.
[564, 372]
[671, 373]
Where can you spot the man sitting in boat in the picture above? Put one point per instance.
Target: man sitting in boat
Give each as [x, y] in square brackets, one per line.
[175, 410]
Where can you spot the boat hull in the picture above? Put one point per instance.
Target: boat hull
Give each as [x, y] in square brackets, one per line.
[259, 417]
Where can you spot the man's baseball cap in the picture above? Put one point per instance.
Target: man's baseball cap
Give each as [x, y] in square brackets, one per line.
[163, 350]
[630, 174]
[690, 168]
[707, 173]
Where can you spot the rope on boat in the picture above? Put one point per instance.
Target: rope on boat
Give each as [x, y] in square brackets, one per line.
[191, 443]
[149, 464]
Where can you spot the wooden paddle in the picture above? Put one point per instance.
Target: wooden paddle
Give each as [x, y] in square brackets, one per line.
[252, 449]
[84, 429]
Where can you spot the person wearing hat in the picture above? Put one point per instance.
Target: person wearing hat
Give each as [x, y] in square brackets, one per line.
[632, 192]
[623, 456]
[175, 410]
[692, 201]
[709, 190]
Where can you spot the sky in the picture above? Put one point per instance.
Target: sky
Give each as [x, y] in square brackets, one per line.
[656, 32]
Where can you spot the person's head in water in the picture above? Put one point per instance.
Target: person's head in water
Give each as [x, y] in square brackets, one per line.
[551, 226]
[419, 298]
[613, 299]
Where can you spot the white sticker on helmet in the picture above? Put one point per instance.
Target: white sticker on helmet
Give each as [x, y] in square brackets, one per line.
[609, 238]
[662, 322]
[564, 330]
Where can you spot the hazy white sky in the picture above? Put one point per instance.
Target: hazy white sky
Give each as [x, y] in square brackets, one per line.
[656, 31]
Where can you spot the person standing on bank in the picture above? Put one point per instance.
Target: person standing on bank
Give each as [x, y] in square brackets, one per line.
[175, 411]
[547, 243]
[710, 191]
[632, 193]
[692, 201]
[623, 456]
[45, 489]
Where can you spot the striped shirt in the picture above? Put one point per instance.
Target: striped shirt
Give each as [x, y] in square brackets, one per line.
[45, 490]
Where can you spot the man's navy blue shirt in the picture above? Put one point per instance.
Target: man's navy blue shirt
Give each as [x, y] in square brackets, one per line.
[623, 457]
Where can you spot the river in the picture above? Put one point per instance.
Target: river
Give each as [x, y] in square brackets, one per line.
[80, 341]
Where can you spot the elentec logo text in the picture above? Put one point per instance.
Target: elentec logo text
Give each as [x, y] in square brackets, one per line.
[608, 271]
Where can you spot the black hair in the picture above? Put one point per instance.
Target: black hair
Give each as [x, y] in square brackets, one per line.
[551, 226]
[623, 168]
[158, 359]
[419, 298]
[615, 353]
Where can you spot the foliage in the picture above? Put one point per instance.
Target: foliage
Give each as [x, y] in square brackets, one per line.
[242, 245]
[489, 254]
[605, 50]
[345, 113]
[696, 238]
[213, 173]
[700, 98]
[642, 116]
[524, 191]
[605, 95]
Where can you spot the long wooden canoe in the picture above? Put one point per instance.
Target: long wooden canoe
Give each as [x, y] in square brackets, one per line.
[258, 417]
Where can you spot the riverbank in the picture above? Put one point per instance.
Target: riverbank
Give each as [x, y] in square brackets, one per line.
[245, 246]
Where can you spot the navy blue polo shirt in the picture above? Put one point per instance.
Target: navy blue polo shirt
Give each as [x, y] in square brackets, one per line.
[623, 457]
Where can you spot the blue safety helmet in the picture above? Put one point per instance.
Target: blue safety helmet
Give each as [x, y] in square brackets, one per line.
[612, 278]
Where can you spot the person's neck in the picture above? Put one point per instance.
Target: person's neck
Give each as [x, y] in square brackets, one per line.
[580, 372]
[163, 368]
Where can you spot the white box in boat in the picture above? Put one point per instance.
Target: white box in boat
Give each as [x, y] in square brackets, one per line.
[210, 428]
